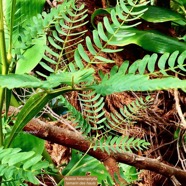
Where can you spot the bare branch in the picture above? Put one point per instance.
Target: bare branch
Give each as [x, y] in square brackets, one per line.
[76, 141]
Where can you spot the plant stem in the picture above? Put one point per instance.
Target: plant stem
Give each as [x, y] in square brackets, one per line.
[4, 67]
[2, 42]
[2, 93]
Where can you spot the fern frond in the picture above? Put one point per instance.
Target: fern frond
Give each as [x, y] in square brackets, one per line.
[24, 166]
[92, 108]
[61, 24]
[101, 40]
[166, 63]
[133, 78]
[128, 114]
[76, 117]
[65, 36]
[119, 144]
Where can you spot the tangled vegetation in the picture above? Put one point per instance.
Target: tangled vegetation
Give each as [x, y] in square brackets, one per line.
[107, 83]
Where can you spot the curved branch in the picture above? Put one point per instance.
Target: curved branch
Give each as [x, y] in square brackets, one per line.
[74, 140]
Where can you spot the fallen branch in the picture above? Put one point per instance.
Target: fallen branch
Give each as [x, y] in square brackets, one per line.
[73, 140]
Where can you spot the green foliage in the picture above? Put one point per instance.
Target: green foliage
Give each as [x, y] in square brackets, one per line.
[120, 144]
[128, 114]
[153, 41]
[76, 117]
[153, 14]
[27, 62]
[65, 36]
[99, 34]
[150, 40]
[156, 14]
[79, 166]
[69, 62]
[133, 78]
[11, 81]
[28, 142]
[23, 165]
[129, 173]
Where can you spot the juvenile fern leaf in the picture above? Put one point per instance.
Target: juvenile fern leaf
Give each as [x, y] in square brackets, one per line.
[77, 117]
[92, 108]
[128, 114]
[119, 144]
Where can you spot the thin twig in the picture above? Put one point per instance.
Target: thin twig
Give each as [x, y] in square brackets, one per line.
[49, 2]
[178, 108]
[175, 181]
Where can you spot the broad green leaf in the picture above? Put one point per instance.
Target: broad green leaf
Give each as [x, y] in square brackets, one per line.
[88, 165]
[149, 40]
[157, 14]
[129, 173]
[11, 81]
[29, 9]
[179, 2]
[34, 104]
[31, 57]
[28, 142]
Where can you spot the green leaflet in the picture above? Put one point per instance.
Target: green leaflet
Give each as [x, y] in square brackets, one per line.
[32, 56]
[21, 166]
[149, 40]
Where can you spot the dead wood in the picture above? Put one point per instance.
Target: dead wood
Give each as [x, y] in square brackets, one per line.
[74, 140]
